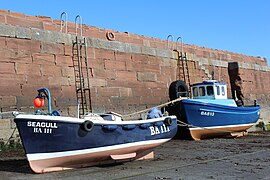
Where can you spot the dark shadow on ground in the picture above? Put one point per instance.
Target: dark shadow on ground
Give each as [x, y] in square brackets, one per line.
[18, 166]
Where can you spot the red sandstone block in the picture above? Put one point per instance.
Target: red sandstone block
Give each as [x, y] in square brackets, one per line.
[52, 48]
[108, 91]
[23, 68]
[129, 65]
[101, 73]
[58, 81]
[50, 70]
[109, 74]
[154, 85]
[96, 82]
[119, 56]
[17, 56]
[123, 83]
[139, 58]
[126, 75]
[2, 42]
[30, 90]
[7, 79]
[137, 41]
[146, 76]
[56, 91]
[44, 59]
[17, 14]
[157, 44]
[7, 68]
[4, 12]
[62, 60]
[68, 50]
[67, 71]
[141, 91]
[68, 91]
[19, 44]
[10, 89]
[35, 46]
[148, 100]
[125, 92]
[2, 19]
[36, 80]
[117, 65]
[132, 101]
[20, 21]
[25, 101]
[148, 68]
[44, 19]
[96, 63]
[50, 27]
[155, 60]
[104, 54]
[91, 53]
[159, 92]
[7, 101]
[123, 37]
[23, 44]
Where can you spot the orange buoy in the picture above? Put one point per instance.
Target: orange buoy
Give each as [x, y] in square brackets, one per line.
[38, 102]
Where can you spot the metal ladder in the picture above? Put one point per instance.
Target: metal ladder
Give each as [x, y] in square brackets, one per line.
[182, 64]
[81, 72]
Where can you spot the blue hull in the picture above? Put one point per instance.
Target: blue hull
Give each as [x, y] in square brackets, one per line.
[52, 142]
[210, 115]
[207, 120]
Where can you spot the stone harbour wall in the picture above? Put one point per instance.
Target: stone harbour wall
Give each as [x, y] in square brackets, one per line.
[127, 73]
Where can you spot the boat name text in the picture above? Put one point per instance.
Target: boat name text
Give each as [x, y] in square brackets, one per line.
[207, 113]
[42, 127]
[159, 130]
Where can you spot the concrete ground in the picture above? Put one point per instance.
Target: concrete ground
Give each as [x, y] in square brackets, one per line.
[235, 158]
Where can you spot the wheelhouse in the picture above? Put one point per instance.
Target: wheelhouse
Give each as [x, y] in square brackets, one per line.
[210, 89]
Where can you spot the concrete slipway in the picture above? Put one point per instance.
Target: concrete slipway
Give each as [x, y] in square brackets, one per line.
[234, 158]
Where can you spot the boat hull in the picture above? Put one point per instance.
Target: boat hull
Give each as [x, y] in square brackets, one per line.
[57, 143]
[207, 120]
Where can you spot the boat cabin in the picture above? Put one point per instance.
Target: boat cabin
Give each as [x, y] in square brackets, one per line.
[210, 89]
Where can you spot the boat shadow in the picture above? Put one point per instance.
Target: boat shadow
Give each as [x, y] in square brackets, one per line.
[17, 166]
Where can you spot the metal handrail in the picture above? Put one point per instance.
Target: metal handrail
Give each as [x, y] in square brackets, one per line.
[181, 43]
[169, 36]
[65, 22]
[76, 25]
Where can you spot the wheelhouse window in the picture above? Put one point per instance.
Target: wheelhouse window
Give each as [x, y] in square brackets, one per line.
[202, 91]
[218, 90]
[223, 90]
[210, 90]
[195, 91]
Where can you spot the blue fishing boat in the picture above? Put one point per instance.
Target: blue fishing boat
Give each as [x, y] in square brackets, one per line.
[53, 142]
[209, 113]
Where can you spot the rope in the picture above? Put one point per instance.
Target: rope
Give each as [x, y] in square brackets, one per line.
[10, 137]
[9, 114]
[159, 106]
[181, 123]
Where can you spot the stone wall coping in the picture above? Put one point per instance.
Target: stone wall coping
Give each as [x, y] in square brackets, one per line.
[68, 39]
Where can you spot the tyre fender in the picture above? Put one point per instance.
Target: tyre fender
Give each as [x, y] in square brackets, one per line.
[168, 121]
[178, 88]
[88, 126]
